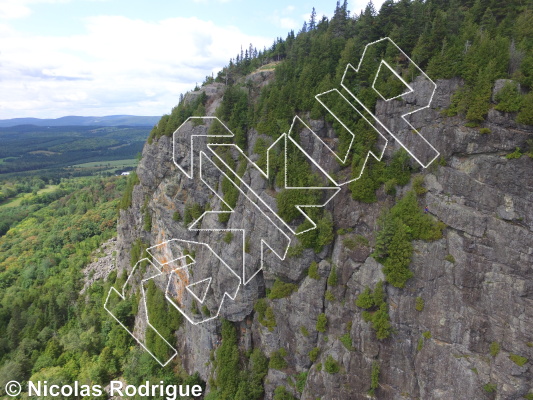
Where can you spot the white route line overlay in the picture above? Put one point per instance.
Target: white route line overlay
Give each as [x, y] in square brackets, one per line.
[226, 294]
[378, 157]
[411, 90]
[123, 297]
[403, 116]
[269, 214]
[191, 227]
[260, 203]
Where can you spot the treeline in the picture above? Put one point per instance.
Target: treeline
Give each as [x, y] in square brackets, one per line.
[23, 139]
[10, 188]
[10, 215]
[40, 161]
[477, 40]
[30, 148]
[48, 330]
[40, 277]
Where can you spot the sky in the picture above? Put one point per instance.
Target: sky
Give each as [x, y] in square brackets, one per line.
[109, 57]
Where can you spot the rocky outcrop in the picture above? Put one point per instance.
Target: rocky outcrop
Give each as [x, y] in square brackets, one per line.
[476, 282]
[102, 265]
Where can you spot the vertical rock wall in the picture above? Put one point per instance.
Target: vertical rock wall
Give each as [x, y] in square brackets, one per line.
[476, 282]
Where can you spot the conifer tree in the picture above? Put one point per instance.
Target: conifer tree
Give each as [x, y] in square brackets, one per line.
[312, 20]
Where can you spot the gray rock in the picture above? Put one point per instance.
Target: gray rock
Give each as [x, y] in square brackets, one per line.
[483, 293]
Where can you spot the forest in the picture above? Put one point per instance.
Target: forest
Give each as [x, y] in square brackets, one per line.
[46, 151]
[50, 331]
[477, 40]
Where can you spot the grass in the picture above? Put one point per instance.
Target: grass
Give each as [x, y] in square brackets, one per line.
[46, 153]
[48, 189]
[15, 201]
[494, 349]
[108, 166]
[419, 304]
[115, 163]
[268, 66]
[518, 360]
[490, 387]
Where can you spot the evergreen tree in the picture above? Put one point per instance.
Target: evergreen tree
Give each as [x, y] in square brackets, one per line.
[400, 249]
[312, 20]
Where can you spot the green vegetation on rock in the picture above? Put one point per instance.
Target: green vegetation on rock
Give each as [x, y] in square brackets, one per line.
[233, 380]
[374, 378]
[133, 180]
[281, 289]
[313, 354]
[281, 393]
[419, 304]
[331, 366]
[321, 322]
[494, 349]
[265, 314]
[346, 341]
[404, 222]
[518, 360]
[277, 359]
[490, 387]
[376, 310]
[313, 271]
[333, 278]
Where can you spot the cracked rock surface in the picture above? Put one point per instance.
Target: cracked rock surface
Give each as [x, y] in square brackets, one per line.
[476, 282]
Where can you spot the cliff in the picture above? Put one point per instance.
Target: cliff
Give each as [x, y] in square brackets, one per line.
[475, 284]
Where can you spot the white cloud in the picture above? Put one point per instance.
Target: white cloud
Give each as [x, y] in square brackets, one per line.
[12, 9]
[288, 23]
[289, 9]
[207, 1]
[283, 20]
[119, 65]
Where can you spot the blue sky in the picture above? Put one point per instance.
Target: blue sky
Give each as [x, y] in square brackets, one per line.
[104, 57]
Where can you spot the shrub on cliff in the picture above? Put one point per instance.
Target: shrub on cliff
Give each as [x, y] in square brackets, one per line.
[376, 310]
[321, 322]
[281, 289]
[397, 228]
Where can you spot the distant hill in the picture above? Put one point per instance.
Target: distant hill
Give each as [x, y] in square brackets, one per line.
[110, 120]
[52, 150]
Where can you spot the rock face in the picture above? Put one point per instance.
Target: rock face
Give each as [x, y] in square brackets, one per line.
[476, 282]
[102, 266]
